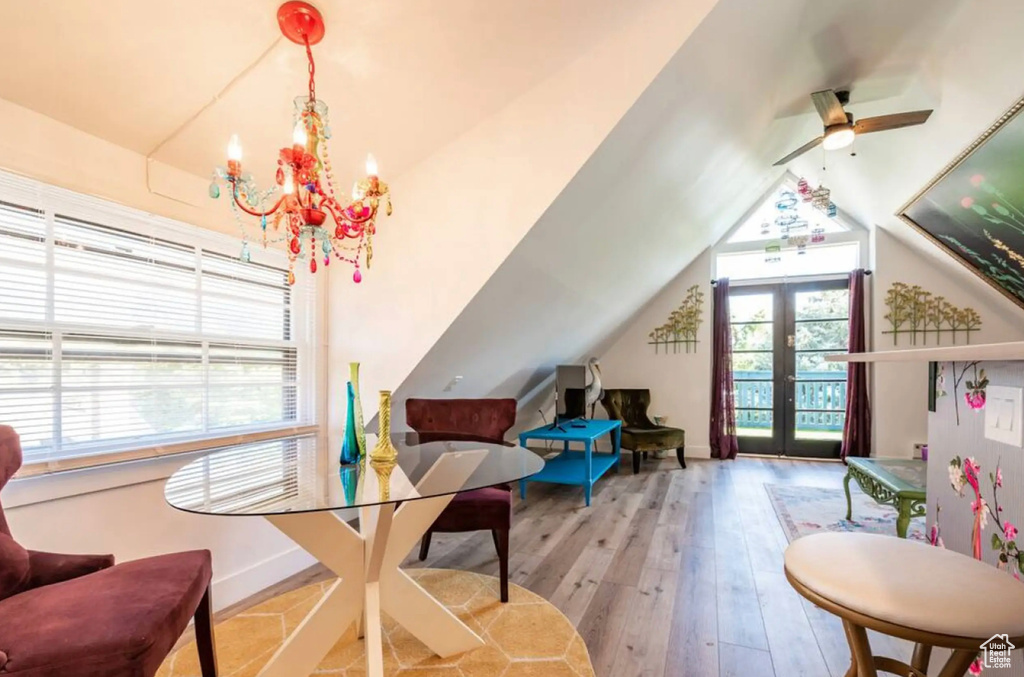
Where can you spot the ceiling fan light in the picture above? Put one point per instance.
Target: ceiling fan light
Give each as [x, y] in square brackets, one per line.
[838, 136]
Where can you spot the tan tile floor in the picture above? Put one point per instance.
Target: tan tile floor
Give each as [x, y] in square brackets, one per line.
[528, 637]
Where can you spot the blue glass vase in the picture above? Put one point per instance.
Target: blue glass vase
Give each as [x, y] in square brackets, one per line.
[350, 443]
[350, 483]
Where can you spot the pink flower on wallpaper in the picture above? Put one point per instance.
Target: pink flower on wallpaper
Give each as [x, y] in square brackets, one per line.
[975, 668]
[980, 508]
[1009, 531]
[975, 400]
[967, 202]
[977, 180]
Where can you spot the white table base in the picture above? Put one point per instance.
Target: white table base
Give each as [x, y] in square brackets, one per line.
[369, 582]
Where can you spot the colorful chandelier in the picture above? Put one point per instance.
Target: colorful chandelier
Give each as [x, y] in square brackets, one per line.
[304, 195]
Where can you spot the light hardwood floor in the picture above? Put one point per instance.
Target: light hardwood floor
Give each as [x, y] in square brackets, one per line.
[670, 572]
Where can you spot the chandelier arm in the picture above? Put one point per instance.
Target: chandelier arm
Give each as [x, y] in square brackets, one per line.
[331, 203]
[340, 222]
[252, 212]
[369, 217]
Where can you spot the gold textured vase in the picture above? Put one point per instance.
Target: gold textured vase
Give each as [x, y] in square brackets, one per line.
[384, 452]
[383, 469]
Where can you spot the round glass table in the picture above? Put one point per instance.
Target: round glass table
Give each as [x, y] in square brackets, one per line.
[300, 491]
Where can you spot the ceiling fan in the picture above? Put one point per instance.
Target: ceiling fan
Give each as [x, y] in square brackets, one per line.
[840, 129]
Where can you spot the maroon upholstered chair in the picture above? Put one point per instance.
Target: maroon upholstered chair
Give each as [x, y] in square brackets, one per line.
[81, 616]
[487, 509]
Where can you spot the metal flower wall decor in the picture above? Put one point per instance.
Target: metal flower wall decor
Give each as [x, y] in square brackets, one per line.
[916, 312]
[682, 325]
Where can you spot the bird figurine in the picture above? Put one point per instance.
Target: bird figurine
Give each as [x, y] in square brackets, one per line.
[592, 393]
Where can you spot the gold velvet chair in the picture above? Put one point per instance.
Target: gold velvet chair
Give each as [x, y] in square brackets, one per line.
[639, 434]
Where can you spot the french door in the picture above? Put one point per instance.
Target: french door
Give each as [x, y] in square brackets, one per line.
[789, 400]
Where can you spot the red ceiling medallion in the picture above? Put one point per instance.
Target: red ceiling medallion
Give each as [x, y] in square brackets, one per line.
[301, 22]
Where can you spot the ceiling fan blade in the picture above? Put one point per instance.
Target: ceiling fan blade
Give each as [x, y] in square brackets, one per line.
[884, 123]
[800, 151]
[829, 108]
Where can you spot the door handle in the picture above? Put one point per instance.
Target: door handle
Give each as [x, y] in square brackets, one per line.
[790, 341]
[791, 378]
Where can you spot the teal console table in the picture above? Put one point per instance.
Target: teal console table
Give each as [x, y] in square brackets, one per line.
[580, 468]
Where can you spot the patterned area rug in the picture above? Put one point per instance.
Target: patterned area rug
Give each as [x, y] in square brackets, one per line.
[528, 637]
[806, 510]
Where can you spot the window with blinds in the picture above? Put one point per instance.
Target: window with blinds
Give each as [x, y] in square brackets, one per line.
[120, 330]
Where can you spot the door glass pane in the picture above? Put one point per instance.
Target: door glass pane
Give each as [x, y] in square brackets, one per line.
[753, 362]
[815, 361]
[826, 304]
[759, 362]
[751, 337]
[822, 327]
[831, 335]
[754, 394]
[750, 308]
[753, 423]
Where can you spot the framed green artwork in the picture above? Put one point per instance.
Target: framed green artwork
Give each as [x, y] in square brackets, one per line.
[974, 209]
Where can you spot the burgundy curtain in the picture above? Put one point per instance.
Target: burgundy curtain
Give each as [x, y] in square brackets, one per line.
[723, 404]
[857, 429]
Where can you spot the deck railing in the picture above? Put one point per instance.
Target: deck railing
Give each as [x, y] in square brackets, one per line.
[820, 400]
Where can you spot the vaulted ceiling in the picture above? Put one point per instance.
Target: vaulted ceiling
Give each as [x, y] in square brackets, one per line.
[691, 157]
[401, 78]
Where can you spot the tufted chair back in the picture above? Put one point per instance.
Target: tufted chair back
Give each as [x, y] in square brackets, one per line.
[628, 405]
[487, 419]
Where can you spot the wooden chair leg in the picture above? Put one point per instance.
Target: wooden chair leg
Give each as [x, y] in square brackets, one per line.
[860, 649]
[681, 457]
[922, 657]
[204, 636]
[636, 462]
[501, 543]
[425, 545]
[958, 663]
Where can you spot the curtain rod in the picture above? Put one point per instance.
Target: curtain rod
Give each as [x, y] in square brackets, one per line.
[866, 272]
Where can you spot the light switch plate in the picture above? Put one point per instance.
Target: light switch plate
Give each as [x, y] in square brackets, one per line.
[1004, 409]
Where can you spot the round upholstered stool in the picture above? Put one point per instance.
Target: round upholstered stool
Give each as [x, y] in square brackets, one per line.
[931, 596]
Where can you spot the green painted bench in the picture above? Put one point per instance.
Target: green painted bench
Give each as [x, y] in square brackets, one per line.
[896, 482]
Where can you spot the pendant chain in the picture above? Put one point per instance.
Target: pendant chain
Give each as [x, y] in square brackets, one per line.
[312, 71]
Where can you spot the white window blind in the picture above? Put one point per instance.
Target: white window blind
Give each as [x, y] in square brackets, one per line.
[275, 473]
[121, 330]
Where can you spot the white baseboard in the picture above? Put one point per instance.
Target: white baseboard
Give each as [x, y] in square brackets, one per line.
[242, 584]
[698, 452]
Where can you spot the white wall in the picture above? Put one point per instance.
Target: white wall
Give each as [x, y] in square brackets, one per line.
[460, 212]
[899, 396]
[42, 148]
[135, 521]
[130, 521]
[680, 383]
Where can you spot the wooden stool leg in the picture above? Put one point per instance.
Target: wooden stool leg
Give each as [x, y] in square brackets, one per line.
[958, 663]
[922, 656]
[860, 648]
[852, 671]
